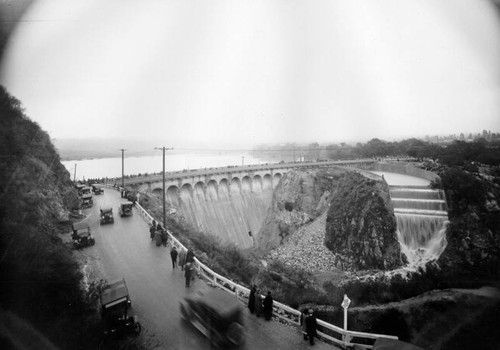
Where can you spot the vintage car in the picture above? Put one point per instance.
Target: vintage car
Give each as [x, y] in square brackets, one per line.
[107, 215]
[217, 315]
[82, 236]
[79, 188]
[87, 201]
[115, 299]
[97, 189]
[125, 209]
[85, 190]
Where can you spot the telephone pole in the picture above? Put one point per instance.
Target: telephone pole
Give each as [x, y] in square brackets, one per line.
[164, 194]
[74, 174]
[123, 184]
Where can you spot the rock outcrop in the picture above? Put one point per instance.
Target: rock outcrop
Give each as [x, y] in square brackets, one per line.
[360, 229]
[360, 225]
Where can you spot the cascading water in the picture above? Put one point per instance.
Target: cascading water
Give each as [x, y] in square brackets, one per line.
[421, 223]
[227, 210]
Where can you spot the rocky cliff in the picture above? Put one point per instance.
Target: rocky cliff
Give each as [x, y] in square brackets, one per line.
[360, 224]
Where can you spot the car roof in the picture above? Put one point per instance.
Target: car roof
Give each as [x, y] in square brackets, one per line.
[114, 291]
[126, 203]
[80, 225]
[106, 209]
[220, 301]
[87, 195]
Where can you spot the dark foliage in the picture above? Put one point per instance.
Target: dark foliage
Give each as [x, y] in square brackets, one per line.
[40, 280]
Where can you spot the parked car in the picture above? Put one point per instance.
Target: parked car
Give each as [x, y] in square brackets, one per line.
[125, 209]
[85, 190]
[217, 315]
[115, 299]
[107, 215]
[115, 303]
[87, 201]
[97, 189]
[82, 236]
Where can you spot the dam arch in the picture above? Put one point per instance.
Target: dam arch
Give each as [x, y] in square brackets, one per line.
[257, 184]
[246, 185]
[235, 186]
[173, 195]
[199, 191]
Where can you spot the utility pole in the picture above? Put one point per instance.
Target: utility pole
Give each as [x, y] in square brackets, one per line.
[294, 153]
[74, 174]
[164, 194]
[123, 184]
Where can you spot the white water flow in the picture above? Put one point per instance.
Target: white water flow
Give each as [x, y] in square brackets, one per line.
[421, 223]
[226, 210]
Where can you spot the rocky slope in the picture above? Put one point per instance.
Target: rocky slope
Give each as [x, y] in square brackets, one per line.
[341, 218]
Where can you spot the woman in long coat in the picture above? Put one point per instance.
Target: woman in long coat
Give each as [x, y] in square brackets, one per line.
[182, 258]
[258, 303]
[268, 306]
[251, 299]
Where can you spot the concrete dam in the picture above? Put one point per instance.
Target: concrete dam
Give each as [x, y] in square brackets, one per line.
[228, 210]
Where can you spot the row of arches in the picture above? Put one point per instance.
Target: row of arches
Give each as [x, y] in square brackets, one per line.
[214, 190]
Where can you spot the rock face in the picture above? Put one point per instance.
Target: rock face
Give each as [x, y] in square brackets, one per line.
[360, 224]
[296, 201]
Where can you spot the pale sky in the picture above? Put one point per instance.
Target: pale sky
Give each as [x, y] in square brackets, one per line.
[259, 71]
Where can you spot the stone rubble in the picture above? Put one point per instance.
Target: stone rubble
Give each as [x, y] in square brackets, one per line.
[305, 248]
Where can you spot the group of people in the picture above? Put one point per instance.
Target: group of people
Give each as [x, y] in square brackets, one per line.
[158, 234]
[256, 303]
[185, 259]
[259, 305]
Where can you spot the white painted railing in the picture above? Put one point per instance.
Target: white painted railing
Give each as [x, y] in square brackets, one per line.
[327, 331]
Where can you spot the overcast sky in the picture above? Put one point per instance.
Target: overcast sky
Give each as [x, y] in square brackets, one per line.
[245, 72]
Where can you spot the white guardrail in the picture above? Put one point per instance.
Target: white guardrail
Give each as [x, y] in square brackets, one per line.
[284, 312]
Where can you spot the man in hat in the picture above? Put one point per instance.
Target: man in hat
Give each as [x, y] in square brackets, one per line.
[311, 326]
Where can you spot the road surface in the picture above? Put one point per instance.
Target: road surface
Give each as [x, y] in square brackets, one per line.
[124, 249]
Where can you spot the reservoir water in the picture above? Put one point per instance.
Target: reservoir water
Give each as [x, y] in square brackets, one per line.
[174, 161]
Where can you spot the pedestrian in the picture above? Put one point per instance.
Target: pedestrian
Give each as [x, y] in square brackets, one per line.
[303, 317]
[182, 258]
[258, 302]
[187, 274]
[268, 306]
[158, 238]
[173, 255]
[164, 237]
[189, 256]
[311, 326]
[152, 230]
[251, 299]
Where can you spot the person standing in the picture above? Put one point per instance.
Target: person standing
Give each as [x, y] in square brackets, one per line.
[303, 327]
[251, 299]
[258, 302]
[311, 326]
[268, 306]
[187, 274]
[189, 256]
[173, 255]
[182, 258]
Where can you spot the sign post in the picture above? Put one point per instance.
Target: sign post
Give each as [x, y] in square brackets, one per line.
[345, 305]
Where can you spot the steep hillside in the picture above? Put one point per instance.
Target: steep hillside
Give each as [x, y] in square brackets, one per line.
[360, 224]
[40, 281]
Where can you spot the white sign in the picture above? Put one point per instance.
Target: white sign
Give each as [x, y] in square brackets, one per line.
[346, 302]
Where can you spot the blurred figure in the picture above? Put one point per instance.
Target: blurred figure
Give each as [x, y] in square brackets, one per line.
[311, 326]
[258, 302]
[268, 306]
[173, 255]
[187, 274]
[251, 299]
[303, 327]
[182, 258]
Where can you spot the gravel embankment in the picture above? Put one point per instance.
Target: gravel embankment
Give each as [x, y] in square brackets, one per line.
[305, 248]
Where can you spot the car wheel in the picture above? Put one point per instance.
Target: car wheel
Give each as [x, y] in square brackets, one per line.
[92, 242]
[184, 314]
[235, 333]
[137, 328]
